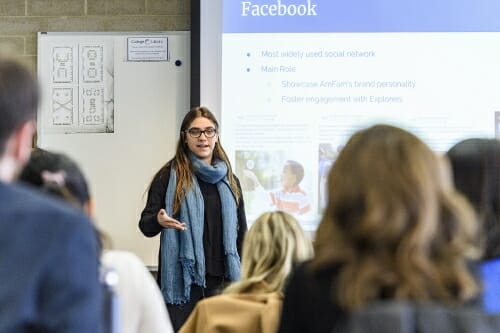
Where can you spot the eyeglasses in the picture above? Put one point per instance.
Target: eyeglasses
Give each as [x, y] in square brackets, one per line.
[196, 132]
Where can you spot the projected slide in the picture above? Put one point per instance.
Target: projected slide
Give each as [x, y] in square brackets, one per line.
[299, 77]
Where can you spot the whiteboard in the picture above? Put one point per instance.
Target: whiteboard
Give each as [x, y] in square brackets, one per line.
[117, 118]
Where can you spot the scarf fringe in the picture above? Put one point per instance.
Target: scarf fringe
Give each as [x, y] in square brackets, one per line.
[233, 266]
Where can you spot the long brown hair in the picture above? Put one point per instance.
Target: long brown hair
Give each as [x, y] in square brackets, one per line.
[394, 224]
[182, 163]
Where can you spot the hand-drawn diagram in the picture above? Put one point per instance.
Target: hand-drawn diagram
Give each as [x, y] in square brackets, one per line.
[92, 64]
[62, 58]
[93, 106]
[63, 106]
[82, 98]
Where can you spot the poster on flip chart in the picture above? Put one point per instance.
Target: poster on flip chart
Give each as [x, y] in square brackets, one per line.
[81, 88]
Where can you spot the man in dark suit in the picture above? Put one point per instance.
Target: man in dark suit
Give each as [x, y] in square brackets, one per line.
[49, 253]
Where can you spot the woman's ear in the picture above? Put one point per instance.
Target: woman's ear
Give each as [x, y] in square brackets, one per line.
[21, 142]
[89, 208]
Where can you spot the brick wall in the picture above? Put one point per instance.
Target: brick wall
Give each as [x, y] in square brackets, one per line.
[20, 20]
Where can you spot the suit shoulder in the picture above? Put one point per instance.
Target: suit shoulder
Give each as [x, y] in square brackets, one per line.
[24, 202]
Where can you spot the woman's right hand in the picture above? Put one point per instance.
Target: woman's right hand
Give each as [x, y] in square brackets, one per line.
[168, 222]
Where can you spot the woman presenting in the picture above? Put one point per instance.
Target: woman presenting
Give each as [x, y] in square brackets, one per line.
[195, 202]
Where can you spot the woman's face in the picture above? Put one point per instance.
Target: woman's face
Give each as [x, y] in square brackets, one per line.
[202, 146]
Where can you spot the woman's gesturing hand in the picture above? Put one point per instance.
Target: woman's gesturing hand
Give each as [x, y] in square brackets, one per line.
[168, 222]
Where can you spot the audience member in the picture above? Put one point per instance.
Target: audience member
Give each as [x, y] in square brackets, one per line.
[273, 246]
[476, 172]
[141, 306]
[394, 229]
[49, 274]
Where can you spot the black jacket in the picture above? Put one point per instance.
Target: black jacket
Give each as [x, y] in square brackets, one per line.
[212, 234]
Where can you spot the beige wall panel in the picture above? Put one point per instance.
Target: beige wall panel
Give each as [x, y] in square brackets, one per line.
[55, 7]
[22, 25]
[66, 23]
[12, 45]
[171, 7]
[12, 8]
[116, 7]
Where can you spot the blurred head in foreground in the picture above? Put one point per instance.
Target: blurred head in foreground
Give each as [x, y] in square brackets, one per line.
[394, 224]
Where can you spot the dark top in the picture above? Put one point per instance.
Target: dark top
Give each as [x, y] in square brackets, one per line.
[49, 266]
[212, 233]
[307, 306]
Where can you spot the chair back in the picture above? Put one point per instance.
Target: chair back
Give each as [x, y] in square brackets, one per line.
[407, 317]
[111, 307]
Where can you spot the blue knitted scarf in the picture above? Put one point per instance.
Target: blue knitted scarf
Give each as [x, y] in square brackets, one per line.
[182, 256]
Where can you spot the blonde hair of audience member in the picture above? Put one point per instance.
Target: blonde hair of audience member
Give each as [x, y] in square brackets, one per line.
[274, 244]
[395, 224]
[272, 247]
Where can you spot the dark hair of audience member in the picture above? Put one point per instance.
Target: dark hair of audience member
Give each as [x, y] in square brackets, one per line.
[59, 176]
[394, 224]
[476, 171]
[15, 78]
